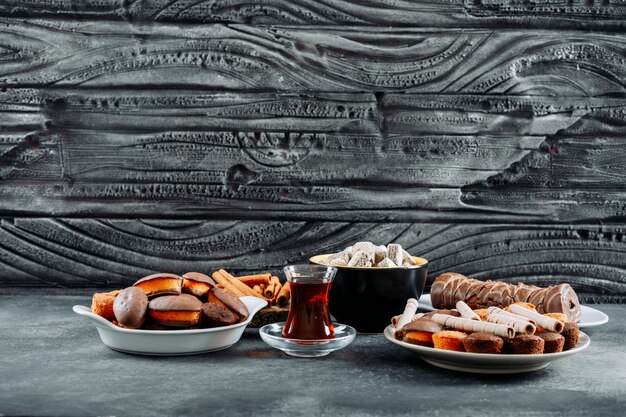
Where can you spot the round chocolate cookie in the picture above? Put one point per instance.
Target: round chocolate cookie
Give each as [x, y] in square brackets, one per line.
[483, 342]
[175, 310]
[130, 307]
[553, 342]
[524, 344]
[570, 333]
[231, 302]
[217, 315]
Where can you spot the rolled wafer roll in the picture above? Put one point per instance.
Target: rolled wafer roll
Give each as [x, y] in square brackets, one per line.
[460, 323]
[465, 311]
[501, 312]
[407, 315]
[546, 322]
[520, 326]
[394, 319]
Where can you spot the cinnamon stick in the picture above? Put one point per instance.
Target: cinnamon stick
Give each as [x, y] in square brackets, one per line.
[257, 288]
[237, 284]
[217, 277]
[277, 288]
[284, 296]
[269, 290]
[252, 280]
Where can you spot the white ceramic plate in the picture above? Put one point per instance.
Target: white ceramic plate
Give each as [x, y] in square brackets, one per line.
[171, 342]
[485, 363]
[590, 317]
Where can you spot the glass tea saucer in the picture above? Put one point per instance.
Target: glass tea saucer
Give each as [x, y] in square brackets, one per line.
[272, 334]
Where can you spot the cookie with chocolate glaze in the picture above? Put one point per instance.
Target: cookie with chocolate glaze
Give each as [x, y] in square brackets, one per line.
[182, 310]
[214, 315]
[232, 302]
[525, 344]
[130, 307]
[483, 342]
[553, 342]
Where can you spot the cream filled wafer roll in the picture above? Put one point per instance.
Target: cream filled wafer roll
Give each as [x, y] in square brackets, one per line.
[394, 319]
[409, 312]
[465, 311]
[468, 325]
[501, 312]
[546, 322]
[520, 326]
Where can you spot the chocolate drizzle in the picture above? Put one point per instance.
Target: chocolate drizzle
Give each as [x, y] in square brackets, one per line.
[451, 287]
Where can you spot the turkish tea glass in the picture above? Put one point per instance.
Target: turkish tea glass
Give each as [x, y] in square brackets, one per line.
[309, 316]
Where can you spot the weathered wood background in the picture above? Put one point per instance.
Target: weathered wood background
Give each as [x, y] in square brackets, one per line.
[486, 135]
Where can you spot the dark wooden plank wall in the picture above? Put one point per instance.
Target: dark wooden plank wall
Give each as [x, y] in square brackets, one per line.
[487, 136]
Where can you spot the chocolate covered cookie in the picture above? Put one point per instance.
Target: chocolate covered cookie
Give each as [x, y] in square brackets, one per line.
[553, 342]
[175, 310]
[214, 315]
[525, 344]
[483, 342]
[130, 307]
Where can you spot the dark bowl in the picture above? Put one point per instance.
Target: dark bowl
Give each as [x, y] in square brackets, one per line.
[367, 298]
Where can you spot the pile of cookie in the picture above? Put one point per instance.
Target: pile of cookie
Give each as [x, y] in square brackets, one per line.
[165, 301]
[366, 254]
[515, 329]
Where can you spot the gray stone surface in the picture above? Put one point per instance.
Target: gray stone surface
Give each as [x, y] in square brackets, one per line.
[53, 363]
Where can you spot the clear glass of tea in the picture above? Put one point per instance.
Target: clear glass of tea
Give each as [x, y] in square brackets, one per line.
[309, 316]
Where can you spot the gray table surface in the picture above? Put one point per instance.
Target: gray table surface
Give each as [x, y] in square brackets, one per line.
[53, 363]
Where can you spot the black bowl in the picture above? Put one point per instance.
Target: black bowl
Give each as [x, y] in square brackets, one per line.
[367, 298]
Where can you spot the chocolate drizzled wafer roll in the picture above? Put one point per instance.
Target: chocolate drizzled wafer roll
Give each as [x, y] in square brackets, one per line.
[546, 322]
[460, 323]
[407, 315]
[394, 319]
[501, 312]
[465, 311]
[520, 326]
[451, 287]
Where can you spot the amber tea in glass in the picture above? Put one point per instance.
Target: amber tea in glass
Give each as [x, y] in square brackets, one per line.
[309, 316]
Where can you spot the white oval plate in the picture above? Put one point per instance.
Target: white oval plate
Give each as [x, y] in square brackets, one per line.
[486, 363]
[170, 342]
[590, 317]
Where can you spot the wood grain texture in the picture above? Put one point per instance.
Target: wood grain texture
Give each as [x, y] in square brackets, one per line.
[337, 157]
[174, 135]
[304, 59]
[606, 15]
[113, 253]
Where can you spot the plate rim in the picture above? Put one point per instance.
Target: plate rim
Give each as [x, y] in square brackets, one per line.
[516, 358]
[582, 325]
